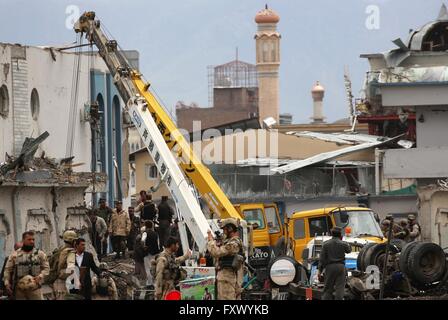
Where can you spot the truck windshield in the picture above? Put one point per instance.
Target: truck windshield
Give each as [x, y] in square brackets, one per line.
[361, 223]
[255, 217]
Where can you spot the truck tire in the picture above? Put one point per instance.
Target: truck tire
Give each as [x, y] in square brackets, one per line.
[360, 265]
[426, 263]
[403, 261]
[376, 254]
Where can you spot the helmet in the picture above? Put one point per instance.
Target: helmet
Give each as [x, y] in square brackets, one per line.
[385, 222]
[403, 222]
[103, 266]
[69, 236]
[411, 217]
[229, 221]
[27, 283]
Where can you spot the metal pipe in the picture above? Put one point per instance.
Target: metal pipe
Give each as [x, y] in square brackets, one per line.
[377, 172]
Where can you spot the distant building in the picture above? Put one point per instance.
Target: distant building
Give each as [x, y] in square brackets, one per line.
[239, 90]
[233, 94]
[318, 93]
[285, 119]
[406, 94]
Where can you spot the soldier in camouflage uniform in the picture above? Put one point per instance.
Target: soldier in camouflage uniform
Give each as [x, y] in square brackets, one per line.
[167, 271]
[119, 229]
[229, 258]
[26, 268]
[414, 228]
[104, 287]
[66, 264]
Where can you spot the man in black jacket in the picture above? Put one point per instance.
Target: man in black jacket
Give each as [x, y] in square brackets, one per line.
[152, 248]
[166, 214]
[332, 259]
[85, 263]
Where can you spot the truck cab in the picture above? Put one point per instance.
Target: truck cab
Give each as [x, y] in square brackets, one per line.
[356, 222]
[265, 220]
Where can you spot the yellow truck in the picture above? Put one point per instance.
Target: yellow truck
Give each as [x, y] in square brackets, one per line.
[357, 223]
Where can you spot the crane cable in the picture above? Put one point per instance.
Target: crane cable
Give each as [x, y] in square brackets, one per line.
[74, 99]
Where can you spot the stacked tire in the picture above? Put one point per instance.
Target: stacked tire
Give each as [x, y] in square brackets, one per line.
[374, 254]
[423, 262]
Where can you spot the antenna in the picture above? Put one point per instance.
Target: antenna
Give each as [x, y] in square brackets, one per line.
[348, 91]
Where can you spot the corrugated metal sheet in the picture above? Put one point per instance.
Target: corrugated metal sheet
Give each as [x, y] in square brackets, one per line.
[326, 156]
[340, 138]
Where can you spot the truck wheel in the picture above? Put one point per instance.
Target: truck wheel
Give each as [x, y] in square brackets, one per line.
[403, 261]
[426, 263]
[377, 254]
[360, 265]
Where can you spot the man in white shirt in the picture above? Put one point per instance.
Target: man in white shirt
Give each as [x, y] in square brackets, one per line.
[85, 264]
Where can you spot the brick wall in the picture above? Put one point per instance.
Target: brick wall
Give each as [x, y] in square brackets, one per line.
[229, 105]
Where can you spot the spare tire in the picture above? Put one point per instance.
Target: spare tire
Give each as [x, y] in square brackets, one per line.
[404, 255]
[284, 269]
[426, 263]
[376, 254]
[360, 265]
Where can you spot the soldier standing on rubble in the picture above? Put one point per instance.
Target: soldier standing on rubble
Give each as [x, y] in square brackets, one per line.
[26, 268]
[104, 211]
[230, 260]
[119, 229]
[63, 263]
[332, 260]
[167, 268]
[414, 228]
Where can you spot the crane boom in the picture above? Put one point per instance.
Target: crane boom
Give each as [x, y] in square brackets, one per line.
[161, 137]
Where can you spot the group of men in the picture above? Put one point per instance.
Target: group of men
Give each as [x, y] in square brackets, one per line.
[153, 237]
[122, 228]
[332, 256]
[160, 256]
[229, 262]
[407, 230]
[67, 271]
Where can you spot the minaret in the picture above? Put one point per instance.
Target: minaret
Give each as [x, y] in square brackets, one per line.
[267, 41]
[318, 93]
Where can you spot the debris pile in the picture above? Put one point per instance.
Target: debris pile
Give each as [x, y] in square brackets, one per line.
[26, 168]
[122, 271]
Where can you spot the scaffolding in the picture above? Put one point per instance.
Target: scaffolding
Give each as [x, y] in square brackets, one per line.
[234, 74]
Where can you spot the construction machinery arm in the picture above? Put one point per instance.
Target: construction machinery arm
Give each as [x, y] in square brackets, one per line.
[161, 136]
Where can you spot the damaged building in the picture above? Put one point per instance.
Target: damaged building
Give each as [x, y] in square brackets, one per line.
[69, 96]
[406, 94]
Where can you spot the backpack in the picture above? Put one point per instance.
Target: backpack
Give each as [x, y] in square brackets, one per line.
[54, 263]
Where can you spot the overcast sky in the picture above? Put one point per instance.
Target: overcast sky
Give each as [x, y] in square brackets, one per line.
[178, 39]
